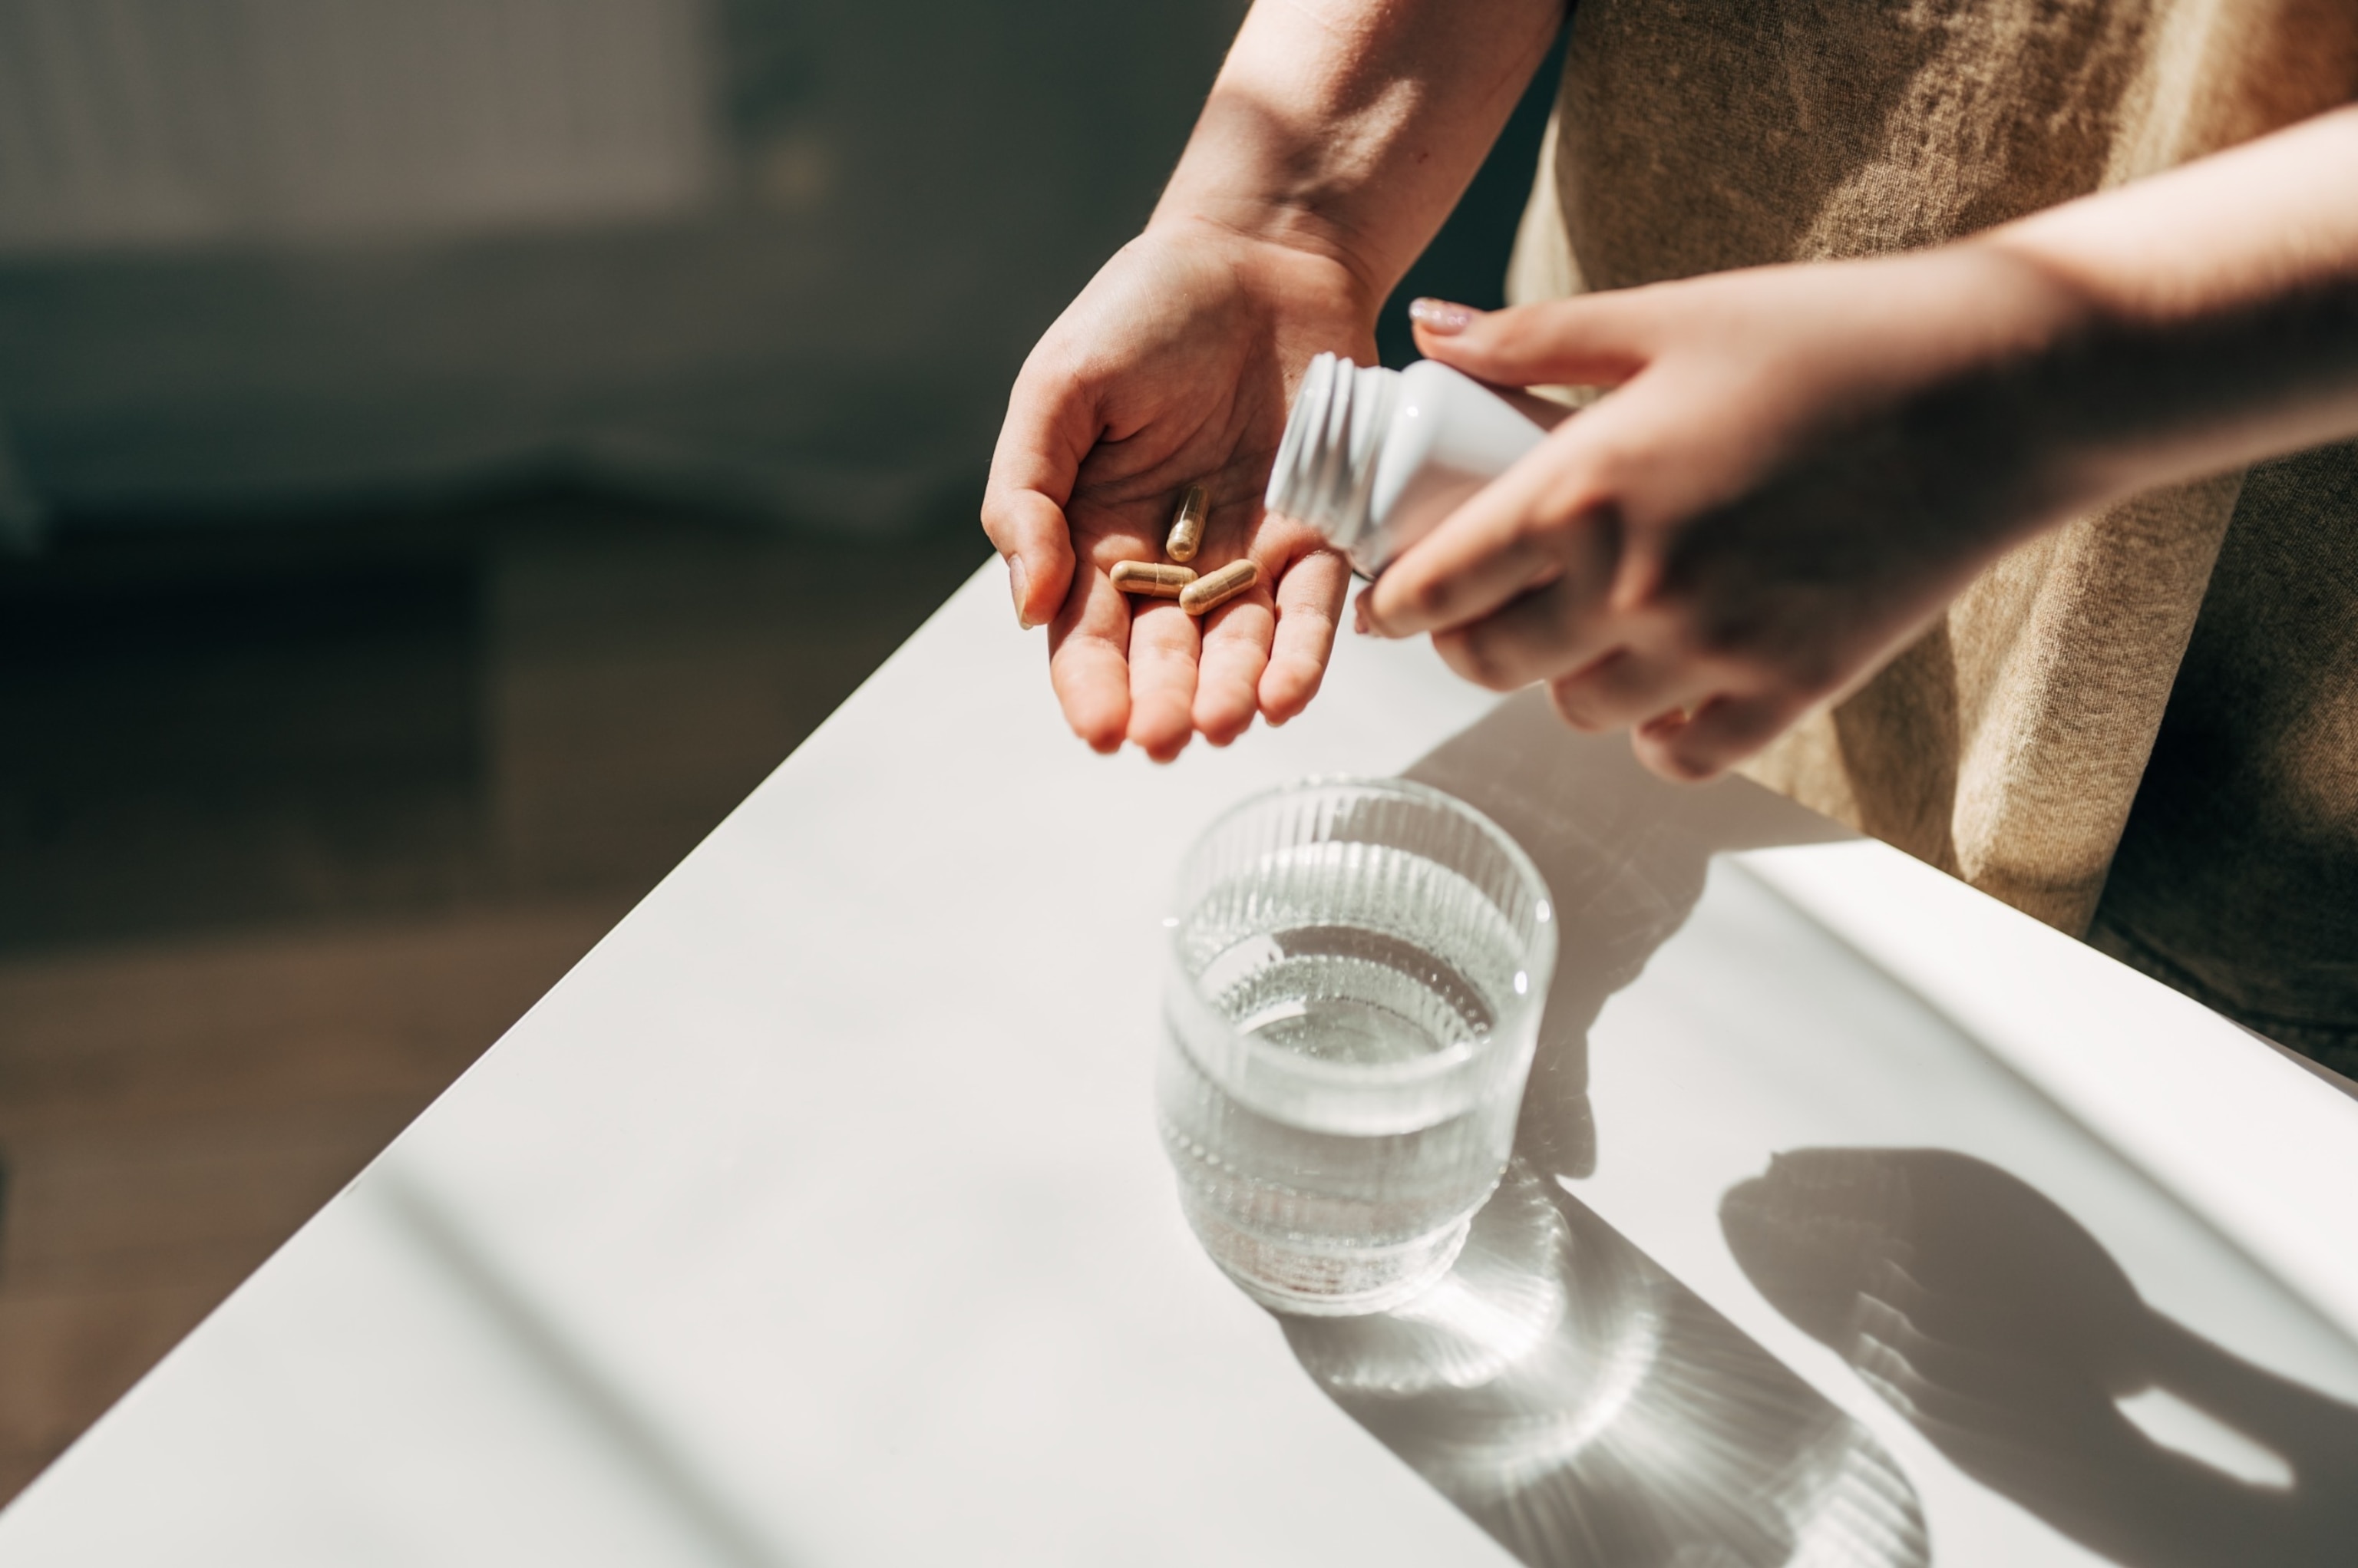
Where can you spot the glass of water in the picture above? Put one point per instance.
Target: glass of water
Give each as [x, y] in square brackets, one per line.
[1355, 973]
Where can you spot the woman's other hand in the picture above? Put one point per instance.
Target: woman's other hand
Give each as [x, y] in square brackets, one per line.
[1799, 466]
[1796, 467]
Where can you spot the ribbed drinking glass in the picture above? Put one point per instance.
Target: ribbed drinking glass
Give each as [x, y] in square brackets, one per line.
[1355, 974]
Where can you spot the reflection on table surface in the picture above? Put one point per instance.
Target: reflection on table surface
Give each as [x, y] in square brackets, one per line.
[1586, 1408]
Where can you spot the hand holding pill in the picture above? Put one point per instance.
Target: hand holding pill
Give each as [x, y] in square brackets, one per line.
[1136, 448]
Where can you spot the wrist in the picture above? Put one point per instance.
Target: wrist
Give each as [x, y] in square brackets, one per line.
[1274, 166]
[2006, 395]
[1287, 250]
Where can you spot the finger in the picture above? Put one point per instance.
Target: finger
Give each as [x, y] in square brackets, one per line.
[1549, 631]
[1723, 731]
[1541, 520]
[1235, 653]
[1051, 425]
[1592, 340]
[1088, 663]
[1625, 687]
[1969, 1382]
[1163, 650]
[1309, 599]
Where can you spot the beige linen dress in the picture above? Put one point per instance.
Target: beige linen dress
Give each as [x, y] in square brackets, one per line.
[2141, 727]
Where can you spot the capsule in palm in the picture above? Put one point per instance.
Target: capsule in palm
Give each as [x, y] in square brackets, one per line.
[1210, 592]
[1152, 578]
[1188, 524]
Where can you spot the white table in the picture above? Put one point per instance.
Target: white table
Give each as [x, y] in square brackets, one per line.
[818, 1217]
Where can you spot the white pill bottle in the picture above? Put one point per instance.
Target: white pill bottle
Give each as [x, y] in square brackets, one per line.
[1374, 458]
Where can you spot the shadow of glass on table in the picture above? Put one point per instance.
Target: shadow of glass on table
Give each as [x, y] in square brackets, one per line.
[1584, 1408]
[2005, 1333]
[1559, 1386]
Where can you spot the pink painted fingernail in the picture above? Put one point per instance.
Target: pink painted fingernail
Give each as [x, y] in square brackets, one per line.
[1016, 583]
[1440, 318]
[1359, 622]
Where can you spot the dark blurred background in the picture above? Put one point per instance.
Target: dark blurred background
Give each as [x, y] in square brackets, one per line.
[450, 450]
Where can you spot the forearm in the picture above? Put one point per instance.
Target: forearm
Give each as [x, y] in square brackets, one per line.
[2202, 318]
[1349, 128]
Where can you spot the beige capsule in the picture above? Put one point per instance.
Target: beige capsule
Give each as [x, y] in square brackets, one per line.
[1152, 578]
[1207, 593]
[1188, 524]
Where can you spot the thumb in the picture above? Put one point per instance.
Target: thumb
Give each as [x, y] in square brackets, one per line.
[1030, 532]
[1596, 339]
[1048, 431]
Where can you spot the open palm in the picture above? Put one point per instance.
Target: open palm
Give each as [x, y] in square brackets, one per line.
[1172, 368]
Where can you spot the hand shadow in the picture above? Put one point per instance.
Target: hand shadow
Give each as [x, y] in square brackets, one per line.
[1624, 854]
[2007, 1334]
[1559, 1386]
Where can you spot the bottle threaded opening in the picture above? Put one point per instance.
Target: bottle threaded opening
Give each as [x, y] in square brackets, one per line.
[1325, 468]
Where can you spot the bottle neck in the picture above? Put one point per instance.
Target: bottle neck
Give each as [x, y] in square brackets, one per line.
[1325, 468]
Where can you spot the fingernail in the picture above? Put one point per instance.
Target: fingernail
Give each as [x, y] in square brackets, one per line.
[1359, 622]
[1016, 583]
[1440, 318]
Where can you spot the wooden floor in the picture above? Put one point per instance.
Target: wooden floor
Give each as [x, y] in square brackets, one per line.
[295, 821]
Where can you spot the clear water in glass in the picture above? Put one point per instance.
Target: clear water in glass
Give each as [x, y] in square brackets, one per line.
[1356, 974]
